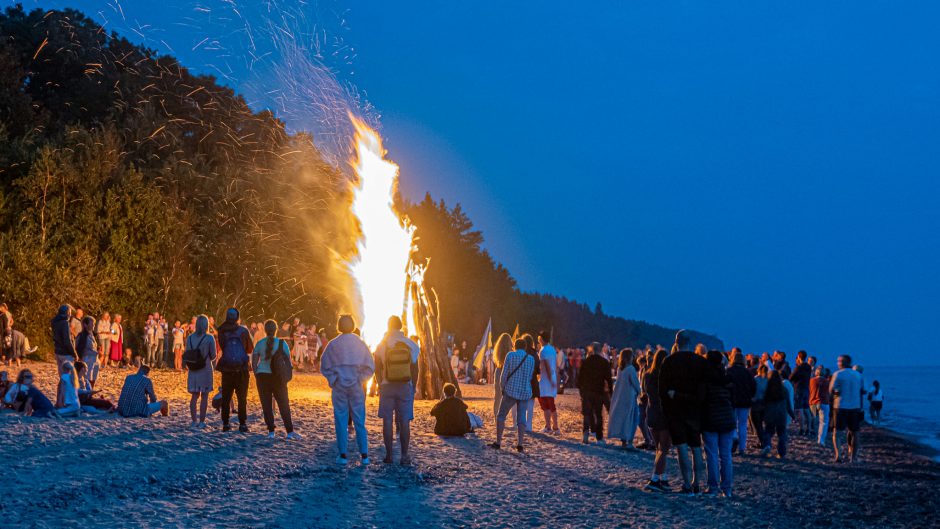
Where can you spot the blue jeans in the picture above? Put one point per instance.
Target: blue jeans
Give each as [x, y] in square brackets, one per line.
[345, 401]
[718, 453]
[740, 435]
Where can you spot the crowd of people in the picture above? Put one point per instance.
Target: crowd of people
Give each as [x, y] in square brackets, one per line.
[706, 405]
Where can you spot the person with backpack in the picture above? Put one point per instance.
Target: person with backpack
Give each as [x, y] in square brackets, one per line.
[347, 364]
[396, 372]
[200, 352]
[270, 360]
[235, 341]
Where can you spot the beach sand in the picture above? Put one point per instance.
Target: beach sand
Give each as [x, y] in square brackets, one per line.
[107, 471]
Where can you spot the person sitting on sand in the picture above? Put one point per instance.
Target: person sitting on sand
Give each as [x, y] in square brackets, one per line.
[87, 392]
[347, 364]
[517, 392]
[396, 370]
[845, 389]
[138, 398]
[451, 414]
[67, 404]
[27, 399]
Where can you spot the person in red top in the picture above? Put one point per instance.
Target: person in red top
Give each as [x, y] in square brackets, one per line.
[819, 402]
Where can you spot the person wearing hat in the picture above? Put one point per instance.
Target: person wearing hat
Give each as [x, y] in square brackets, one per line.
[234, 364]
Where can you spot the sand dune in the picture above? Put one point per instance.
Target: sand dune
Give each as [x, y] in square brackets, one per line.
[111, 472]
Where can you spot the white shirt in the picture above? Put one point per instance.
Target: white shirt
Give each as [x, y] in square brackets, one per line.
[69, 390]
[549, 355]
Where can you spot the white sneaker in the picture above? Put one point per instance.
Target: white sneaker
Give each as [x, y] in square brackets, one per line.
[294, 435]
[341, 460]
[557, 432]
[272, 436]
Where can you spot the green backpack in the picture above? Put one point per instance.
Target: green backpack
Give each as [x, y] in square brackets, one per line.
[398, 363]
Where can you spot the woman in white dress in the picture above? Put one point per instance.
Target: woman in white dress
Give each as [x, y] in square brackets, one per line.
[623, 410]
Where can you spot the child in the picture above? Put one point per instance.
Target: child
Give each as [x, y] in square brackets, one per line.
[451, 414]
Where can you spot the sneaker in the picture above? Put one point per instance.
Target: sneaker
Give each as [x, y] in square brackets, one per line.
[687, 491]
[341, 460]
[294, 436]
[272, 436]
[495, 446]
[365, 459]
[585, 439]
[557, 432]
[664, 484]
[696, 490]
[243, 428]
[202, 426]
[546, 430]
[520, 448]
[654, 486]
[226, 428]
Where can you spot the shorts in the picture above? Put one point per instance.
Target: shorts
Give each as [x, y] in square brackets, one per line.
[547, 403]
[397, 397]
[801, 401]
[683, 433]
[851, 419]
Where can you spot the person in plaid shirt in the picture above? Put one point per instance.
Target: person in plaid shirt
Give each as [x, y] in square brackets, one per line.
[517, 390]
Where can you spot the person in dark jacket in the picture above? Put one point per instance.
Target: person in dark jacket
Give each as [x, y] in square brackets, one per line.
[718, 425]
[743, 387]
[451, 414]
[236, 345]
[776, 409]
[594, 383]
[62, 339]
[799, 378]
[682, 391]
[656, 421]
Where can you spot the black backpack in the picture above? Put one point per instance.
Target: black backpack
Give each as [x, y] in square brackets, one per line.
[193, 358]
[281, 367]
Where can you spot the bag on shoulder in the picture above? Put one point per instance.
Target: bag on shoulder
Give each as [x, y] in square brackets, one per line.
[281, 367]
[398, 363]
[193, 358]
[234, 355]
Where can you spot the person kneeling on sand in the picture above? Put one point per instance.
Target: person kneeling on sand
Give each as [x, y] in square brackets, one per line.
[396, 369]
[347, 364]
[451, 414]
[517, 391]
[138, 398]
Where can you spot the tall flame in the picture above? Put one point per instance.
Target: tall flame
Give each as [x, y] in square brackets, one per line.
[381, 269]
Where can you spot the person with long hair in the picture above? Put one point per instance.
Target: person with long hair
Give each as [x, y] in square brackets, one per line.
[621, 423]
[743, 387]
[534, 382]
[200, 382]
[756, 415]
[777, 409]
[718, 426]
[67, 404]
[116, 354]
[87, 348]
[86, 392]
[270, 387]
[502, 348]
[656, 420]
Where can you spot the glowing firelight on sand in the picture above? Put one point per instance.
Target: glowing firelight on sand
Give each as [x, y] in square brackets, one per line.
[381, 269]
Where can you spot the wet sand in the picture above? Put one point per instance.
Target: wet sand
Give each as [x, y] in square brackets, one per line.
[110, 472]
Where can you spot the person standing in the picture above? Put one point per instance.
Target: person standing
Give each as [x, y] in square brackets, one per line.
[75, 322]
[396, 369]
[718, 426]
[876, 400]
[271, 388]
[117, 341]
[548, 383]
[87, 349]
[819, 403]
[846, 391]
[623, 410]
[159, 338]
[62, 338]
[200, 352]
[682, 391]
[104, 338]
[799, 378]
[347, 365]
[502, 348]
[234, 364]
[743, 387]
[179, 338]
[594, 383]
[6, 334]
[777, 411]
[516, 392]
[657, 423]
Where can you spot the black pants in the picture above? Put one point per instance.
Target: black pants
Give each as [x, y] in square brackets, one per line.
[592, 407]
[756, 417]
[271, 388]
[235, 382]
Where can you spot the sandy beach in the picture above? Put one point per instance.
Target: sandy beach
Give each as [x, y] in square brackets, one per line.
[110, 472]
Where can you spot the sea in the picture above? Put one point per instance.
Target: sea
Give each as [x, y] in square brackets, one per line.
[912, 401]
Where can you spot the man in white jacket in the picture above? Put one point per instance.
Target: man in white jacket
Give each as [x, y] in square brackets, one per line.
[347, 364]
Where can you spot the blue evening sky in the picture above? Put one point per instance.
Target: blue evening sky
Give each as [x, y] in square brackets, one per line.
[766, 171]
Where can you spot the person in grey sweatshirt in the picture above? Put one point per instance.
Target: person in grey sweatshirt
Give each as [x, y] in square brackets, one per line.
[347, 364]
